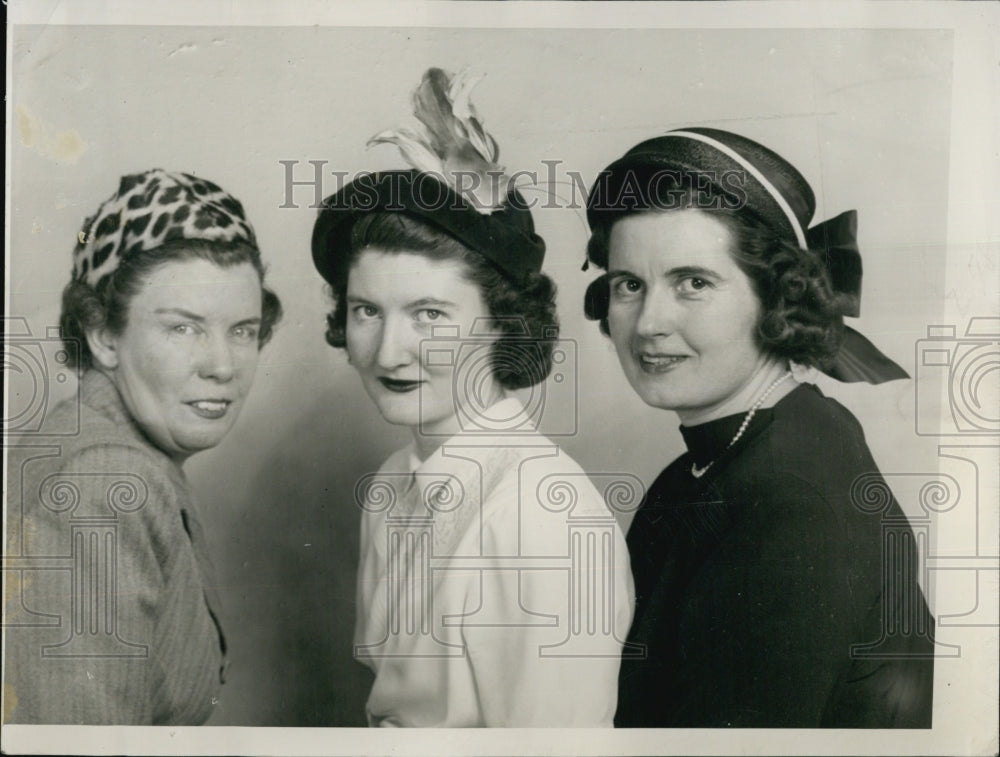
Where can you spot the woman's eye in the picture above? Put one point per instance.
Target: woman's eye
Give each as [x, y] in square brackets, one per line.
[365, 312]
[626, 287]
[182, 329]
[428, 315]
[245, 333]
[693, 285]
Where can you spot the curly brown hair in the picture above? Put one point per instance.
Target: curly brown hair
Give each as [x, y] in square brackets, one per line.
[85, 307]
[801, 316]
[524, 310]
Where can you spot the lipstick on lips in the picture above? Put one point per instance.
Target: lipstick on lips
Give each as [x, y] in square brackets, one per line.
[399, 386]
[658, 362]
[210, 409]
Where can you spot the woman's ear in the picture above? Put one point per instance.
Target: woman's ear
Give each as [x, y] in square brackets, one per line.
[103, 347]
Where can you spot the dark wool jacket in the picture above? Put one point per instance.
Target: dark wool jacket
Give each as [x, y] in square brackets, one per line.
[754, 582]
[109, 617]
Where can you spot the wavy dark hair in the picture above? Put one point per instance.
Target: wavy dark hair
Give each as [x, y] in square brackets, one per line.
[801, 317]
[85, 307]
[524, 310]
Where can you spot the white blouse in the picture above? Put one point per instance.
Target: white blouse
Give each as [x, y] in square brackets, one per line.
[494, 586]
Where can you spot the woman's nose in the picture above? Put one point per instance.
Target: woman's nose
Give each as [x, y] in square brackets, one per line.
[657, 316]
[216, 359]
[397, 346]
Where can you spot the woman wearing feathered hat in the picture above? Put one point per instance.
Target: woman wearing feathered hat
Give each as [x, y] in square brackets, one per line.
[464, 608]
[763, 595]
[165, 316]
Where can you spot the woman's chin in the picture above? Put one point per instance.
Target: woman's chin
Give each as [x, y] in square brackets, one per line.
[183, 445]
[655, 393]
[398, 411]
[408, 410]
[399, 419]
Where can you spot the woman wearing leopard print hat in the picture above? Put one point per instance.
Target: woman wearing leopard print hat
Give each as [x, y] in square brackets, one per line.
[164, 316]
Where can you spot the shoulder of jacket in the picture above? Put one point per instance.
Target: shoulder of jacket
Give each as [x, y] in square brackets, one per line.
[129, 476]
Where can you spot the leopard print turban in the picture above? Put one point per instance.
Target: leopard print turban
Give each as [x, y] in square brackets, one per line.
[150, 209]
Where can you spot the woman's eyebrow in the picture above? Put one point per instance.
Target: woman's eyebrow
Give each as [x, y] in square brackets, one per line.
[425, 301]
[693, 270]
[620, 272]
[181, 312]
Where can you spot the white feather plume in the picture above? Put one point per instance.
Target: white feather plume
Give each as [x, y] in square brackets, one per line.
[446, 138]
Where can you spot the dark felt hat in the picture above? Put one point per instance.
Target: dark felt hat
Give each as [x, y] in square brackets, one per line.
[747, 175]
[506, 236]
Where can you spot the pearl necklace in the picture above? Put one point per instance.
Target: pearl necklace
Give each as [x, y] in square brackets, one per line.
[699, 472]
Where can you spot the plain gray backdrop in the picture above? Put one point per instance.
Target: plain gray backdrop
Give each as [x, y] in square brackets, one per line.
[864, 114]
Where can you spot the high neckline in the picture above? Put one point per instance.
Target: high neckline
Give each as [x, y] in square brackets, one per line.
[708, 441]
[99, 392]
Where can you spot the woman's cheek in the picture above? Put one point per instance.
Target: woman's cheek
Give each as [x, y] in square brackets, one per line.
[359, 343]
[620, 317]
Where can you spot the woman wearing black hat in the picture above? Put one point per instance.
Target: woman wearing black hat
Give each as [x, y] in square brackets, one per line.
[465, 606]
[764, 595]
